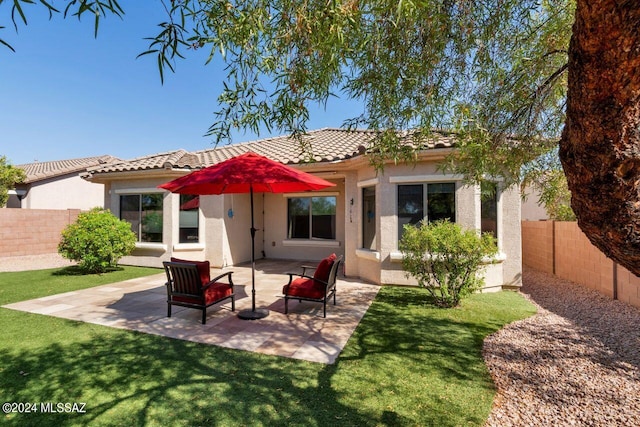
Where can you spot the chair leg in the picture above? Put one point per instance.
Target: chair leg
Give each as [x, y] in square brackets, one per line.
[334, 298]
[286, 305]
[204, 315]
[324, 311]
[233, 303]
[168, 310]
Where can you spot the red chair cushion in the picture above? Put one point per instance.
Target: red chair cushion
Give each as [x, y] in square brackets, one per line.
[306, 288]
[324, 268]
[214, 293]
[204, 268]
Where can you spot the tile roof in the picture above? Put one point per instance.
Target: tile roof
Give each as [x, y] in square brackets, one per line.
[324, 145]
[39, 171]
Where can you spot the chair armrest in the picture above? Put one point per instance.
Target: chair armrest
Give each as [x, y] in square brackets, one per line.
[215, 279]
[307, 277]
[296, 273]
[308, 267]
[304, 270]
[291, 275]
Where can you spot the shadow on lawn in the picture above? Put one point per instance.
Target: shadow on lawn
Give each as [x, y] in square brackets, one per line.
[129, 378]
[398, 321]
[137, 379]
[74, 270]
[429, 343]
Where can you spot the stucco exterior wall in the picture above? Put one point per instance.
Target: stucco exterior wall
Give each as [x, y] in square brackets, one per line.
[360, 262]
[237, 229]
[224, 227]
[351, 237]
[212, 233]
[385, 264]
[531, 208]
[509, 236]
[66, 192]
[467, 212]
[225, 222]
[276, 244]
[148, 254]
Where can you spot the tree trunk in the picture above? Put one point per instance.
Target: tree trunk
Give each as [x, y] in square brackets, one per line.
[600, 145]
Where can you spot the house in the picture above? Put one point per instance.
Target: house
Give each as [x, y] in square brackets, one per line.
[360, 218]
[532, 208]
[58, 185]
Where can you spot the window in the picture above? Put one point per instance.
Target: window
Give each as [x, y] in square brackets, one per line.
[439, 199]
[144, 213]
[311, 217]
[410, 206]
[369, 218]
[489, 208]
[189, 212]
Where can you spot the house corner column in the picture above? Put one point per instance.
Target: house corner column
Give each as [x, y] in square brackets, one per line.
[351, 224]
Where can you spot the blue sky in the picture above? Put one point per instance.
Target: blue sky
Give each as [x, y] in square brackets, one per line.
[65, 94]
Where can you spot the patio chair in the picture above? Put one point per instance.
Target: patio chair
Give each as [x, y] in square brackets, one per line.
[317, 288]
[188, 285]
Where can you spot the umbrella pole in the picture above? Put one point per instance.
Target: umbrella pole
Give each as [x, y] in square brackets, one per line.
[253, 256]
[253, 314]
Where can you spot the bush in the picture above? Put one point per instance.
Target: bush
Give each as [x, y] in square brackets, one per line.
[445, 259]
[97, 240]
[9, 177]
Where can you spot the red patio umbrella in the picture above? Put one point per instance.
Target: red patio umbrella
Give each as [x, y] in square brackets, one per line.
[247, 173]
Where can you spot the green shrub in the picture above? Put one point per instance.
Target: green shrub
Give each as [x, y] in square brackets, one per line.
[97, 240]
[9, 177]
[445, 259]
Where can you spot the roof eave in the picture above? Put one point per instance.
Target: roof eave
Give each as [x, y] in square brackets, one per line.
[106, 177]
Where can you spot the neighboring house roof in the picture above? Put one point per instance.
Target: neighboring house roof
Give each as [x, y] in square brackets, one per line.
[323, 145]
[39, 171]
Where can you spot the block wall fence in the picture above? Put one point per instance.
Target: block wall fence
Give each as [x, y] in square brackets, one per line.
[561, 248]
[32, 231]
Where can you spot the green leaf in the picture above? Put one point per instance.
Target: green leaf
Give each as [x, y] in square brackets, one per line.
[2, 42]
[147, 52]
[17, 7]
[50, 7]
[161, 67]
[97, 23]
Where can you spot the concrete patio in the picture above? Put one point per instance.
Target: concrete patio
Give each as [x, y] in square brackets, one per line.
[140, 305]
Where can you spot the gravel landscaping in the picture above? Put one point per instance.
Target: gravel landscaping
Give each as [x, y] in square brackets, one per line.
[575, 363]
[33, 262]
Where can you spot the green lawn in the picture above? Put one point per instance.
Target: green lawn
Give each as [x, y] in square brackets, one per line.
[406, 364]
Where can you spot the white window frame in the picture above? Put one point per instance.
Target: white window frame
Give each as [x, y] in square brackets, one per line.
[152, 246]
[312, 241]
